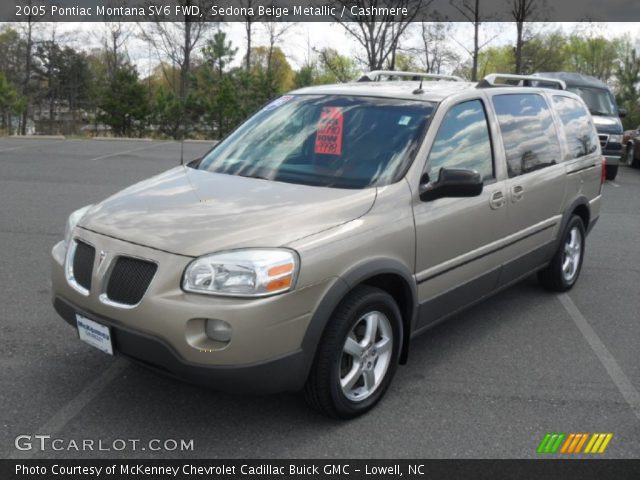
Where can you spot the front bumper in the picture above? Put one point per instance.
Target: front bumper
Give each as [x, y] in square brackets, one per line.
[287, 373]
[613, 154]
[166, 329]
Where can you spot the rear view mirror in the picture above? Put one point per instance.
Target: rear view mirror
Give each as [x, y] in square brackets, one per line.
[452, 182]
[622, 112]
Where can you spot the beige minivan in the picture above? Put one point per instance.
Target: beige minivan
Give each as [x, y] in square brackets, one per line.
[307, 248]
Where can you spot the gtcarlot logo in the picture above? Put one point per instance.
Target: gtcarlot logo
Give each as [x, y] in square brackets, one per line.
[48, 443]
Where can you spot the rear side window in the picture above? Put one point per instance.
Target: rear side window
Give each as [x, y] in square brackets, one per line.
[579, 131]
[463, 141]
[528, 132]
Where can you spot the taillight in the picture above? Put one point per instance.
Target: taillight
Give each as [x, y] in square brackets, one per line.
[603, 175]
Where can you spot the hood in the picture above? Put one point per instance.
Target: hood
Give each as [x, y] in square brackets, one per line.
[194, 212]
[607, 124]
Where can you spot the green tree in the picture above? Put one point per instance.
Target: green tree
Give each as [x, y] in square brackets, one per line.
[10, 102]
[544, 53]
[168, 112]
[218, 53]
[75, 82]
[306, 76]
[48, 56]
[271, 71]
[592, 54]
[407, 63]
[336, 68]
[124, 104]
[627, 75]
[217, 101]
[494, 59]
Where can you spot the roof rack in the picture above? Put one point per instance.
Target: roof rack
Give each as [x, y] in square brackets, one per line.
[376, 75]
[521, 81]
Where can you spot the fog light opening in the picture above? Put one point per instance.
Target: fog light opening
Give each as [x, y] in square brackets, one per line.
[218, 330]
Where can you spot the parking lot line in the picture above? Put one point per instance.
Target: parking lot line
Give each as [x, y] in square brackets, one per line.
[36, 144]
[628, 391]
[610, 182]
[72, 408]
[117, 154]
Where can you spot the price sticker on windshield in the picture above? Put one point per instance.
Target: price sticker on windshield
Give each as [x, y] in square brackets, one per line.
[329, 135]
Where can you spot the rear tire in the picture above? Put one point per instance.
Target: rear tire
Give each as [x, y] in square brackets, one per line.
[612, 172]
[357, 356]
[563, 271]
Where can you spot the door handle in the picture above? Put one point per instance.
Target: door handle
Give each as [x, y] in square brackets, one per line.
[496, 200]
[517, 192]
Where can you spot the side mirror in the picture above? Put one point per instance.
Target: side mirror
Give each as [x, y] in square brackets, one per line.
[452, 182]
[622, 112]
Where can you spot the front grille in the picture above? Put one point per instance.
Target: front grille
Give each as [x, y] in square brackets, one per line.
[604, 139]
[83, 264]
[129, 280]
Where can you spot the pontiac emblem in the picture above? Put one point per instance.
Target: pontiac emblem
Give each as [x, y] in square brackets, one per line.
[102, 256]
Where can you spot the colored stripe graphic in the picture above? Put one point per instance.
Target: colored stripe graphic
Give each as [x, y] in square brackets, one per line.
[550, 442]
[573, 443]
[598, 443]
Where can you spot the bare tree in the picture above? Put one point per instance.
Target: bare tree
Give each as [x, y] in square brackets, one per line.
[522, 11]
[470, 9]
[248, 21]
[275, 32]
[177, 41]
[25, 87]
[114, 37]
[114, 41]
[435, 51]
[379, 33]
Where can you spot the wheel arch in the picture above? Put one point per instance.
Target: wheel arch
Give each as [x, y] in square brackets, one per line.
[389, 275]
[580, 207]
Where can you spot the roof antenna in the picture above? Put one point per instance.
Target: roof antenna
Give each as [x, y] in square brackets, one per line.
[419, 90]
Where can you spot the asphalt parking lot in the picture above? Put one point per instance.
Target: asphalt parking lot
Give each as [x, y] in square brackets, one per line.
[487, 384]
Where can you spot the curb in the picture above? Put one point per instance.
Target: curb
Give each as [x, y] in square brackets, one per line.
[37, 137]
[213, 142]
[123, 139]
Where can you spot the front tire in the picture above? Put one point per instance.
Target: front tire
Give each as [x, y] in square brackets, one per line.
[357, 356]
[563, 271]
[611, 172]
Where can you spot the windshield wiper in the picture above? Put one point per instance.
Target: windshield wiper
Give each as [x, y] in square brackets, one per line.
[596, 112]
[251, 175]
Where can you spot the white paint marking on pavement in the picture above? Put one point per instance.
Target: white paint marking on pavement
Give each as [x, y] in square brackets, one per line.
[71, 409]
[117, 154]
[613, 183]
[31, 145]
[628, 391]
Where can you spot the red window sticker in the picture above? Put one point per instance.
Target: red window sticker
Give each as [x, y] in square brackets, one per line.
[329, 135]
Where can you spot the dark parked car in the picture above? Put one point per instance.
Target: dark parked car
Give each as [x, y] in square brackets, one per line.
[631, 142]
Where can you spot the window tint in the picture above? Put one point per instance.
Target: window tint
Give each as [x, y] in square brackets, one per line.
[528, 133]
[579, 131]
[463, 141]
[599, 100]
[324, 140]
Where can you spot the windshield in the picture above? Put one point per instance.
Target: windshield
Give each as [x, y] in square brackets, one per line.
[599, 100]
[330, 141]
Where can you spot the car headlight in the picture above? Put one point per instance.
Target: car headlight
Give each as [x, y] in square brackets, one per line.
[615, 138]
[72, 221]
[251, 272]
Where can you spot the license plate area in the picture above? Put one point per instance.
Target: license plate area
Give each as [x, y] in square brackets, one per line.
[95, 334]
